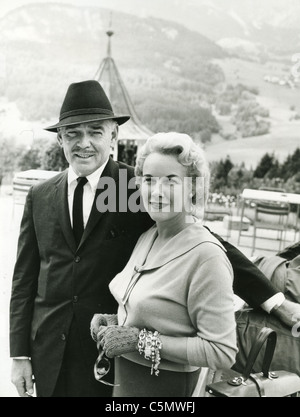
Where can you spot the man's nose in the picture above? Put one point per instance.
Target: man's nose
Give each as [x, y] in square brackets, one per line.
[84, 141]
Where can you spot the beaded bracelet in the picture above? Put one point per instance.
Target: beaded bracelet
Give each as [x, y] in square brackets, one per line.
[150, 345]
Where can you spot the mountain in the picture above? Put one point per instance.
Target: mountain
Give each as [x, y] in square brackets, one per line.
[46, 47]
[271, 25]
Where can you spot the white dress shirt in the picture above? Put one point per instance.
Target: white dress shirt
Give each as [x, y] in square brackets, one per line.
[273, 302]
[89, 191]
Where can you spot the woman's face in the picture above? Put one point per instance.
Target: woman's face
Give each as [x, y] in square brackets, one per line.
[165, 187]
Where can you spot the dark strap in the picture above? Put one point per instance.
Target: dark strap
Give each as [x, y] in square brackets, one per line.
[290, 252]
[270, 336]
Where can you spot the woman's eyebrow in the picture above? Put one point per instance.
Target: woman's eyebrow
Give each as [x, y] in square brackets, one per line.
[164, 176]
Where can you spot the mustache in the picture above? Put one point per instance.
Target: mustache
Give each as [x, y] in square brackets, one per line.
[80, 150]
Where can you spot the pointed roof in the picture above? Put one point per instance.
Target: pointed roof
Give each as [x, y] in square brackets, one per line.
[109, 77]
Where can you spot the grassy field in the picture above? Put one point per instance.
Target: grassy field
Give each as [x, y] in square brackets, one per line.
[282, 141]
[284, 136]
[252, 74]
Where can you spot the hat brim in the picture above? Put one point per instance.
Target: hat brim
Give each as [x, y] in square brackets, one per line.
[75, 120]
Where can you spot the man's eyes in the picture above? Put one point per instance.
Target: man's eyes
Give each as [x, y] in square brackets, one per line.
[69, 135]
[74, 133]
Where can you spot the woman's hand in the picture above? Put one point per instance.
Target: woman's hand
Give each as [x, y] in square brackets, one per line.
[102, 320]
[117, 340]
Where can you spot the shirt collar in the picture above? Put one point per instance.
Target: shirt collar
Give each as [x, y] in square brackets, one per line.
[190, 237]
[93, 178]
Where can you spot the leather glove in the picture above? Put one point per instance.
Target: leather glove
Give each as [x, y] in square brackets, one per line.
[117, 340]
[102, 320]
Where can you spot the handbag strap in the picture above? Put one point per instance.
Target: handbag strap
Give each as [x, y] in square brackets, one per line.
[259, 385]
[266, 334]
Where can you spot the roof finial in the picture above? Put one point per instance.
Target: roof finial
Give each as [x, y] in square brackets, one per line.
[109, 34]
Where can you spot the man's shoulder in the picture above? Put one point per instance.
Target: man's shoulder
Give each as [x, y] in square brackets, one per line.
[129, 168]
[50, 182]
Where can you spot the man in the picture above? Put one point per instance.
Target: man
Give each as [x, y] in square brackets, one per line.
[59, 284]
[68, 253]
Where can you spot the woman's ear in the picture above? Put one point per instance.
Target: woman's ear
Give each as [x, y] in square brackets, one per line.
[193, 191]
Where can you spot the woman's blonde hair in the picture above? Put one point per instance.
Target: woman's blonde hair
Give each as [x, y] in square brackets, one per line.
[187, 152]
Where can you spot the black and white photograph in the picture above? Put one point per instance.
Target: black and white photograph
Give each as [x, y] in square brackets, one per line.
[150, 201]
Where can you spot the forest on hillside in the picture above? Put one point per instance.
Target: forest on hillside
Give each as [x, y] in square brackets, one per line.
[165, 67]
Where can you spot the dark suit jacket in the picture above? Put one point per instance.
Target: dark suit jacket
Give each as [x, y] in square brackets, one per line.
[54, 281]
[249, 282]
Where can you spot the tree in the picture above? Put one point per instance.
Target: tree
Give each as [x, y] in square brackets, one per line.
[54, 158]
[239, 177]
[266, 163]
[291, 165]
[220, 173]
[274, 171]
[32, 158]
[8, 157]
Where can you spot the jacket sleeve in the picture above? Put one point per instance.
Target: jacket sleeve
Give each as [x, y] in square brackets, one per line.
[249, 282]
[24, 284]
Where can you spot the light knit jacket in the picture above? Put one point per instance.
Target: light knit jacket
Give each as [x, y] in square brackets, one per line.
[183, 291]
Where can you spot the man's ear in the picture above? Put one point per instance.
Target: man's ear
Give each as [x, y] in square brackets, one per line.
[115, 132]
[59, 139]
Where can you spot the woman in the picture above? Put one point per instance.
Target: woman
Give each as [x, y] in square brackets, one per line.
[176, 311]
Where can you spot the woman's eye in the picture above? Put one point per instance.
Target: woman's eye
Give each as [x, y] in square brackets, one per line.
[147, 180]
[171, 181]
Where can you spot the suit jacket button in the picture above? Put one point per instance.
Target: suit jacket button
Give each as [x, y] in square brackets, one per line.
[75, 299]
[77, 259]
[63, 336]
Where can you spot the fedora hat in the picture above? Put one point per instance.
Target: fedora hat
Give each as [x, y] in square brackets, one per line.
[85, 101]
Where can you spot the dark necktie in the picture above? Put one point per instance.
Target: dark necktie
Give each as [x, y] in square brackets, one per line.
[78, 225]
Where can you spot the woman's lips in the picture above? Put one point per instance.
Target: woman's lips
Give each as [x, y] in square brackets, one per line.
[158, 206]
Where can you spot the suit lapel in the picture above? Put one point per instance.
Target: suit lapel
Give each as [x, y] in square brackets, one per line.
[112, 171]
[63, 210]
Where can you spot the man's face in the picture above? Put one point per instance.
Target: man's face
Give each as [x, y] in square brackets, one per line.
[87, 145]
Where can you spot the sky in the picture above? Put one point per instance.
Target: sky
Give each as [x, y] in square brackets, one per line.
[7, 5]
[165, 10]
